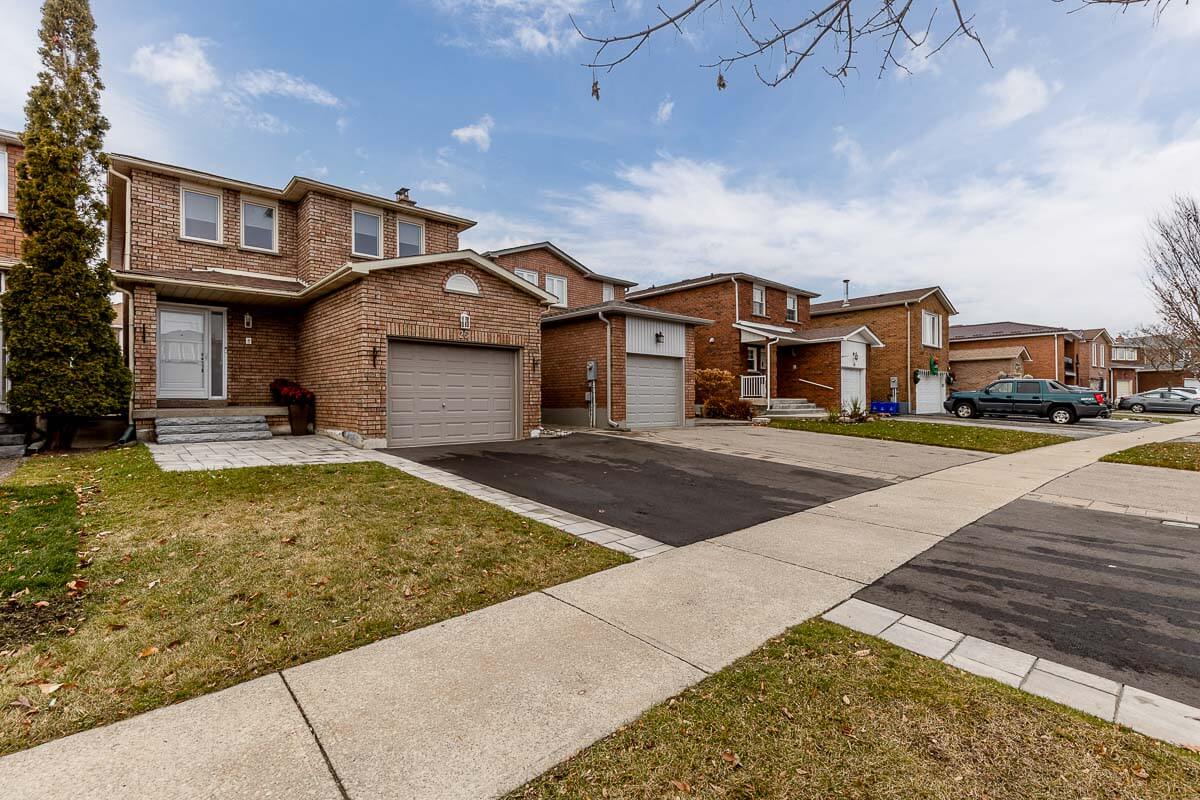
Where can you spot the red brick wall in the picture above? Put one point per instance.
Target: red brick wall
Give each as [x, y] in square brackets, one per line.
[1041, 350]
[972, 375]
[566, 349]
[1086, 370]
[145, 347]
[1160, 379]
[331, 358]
[10, 231]
[581, 290]
[271, 353]
[1121, 374]
[820, 363]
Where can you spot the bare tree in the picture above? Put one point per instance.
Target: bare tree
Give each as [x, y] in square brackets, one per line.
[1162, 348]
[776, 47]
[1173, 266]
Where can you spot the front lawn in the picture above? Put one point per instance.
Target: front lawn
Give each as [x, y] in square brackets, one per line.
[1175, 455]
[187, 582]
[824, 712]
[963, 437]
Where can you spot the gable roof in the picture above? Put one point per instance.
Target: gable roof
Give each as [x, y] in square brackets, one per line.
[835, 333]
[716, 277]
[563, 255]
[621, 307]
[1088, 334]
[884, 300]
[1010, 353]
[295, 190]
[1004, 330]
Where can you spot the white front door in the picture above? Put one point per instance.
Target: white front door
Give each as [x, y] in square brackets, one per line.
[854, 387]
[188, 340]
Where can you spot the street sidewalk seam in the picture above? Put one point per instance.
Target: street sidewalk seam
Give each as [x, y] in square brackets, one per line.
[337, 779]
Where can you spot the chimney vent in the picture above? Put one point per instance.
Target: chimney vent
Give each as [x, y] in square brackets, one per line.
[402, 195]
[846, 292]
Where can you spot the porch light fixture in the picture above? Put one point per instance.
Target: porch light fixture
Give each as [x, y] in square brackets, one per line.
[248, 321]
[659, 338]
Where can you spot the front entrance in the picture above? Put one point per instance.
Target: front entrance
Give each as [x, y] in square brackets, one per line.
[1124, 387]
[854, 387]
[191, 352]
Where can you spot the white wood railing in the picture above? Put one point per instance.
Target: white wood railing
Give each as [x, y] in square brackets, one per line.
[754, 386]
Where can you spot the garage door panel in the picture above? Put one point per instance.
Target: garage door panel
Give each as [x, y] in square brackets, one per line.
[654, 391]
[446, 393]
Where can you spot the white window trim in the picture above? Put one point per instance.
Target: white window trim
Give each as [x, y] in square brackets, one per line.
[608, 292]
[254, 201]
[754, 353]
[792, 314]
[1127, 353]
[217, 193]
[756, 290]
[564, 302]
[461, 277]
[3, 179]
[374, 213]
[926, 317]
[420, 223]
[524, 274]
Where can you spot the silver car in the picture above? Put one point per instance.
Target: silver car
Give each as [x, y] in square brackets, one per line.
[1171, 400]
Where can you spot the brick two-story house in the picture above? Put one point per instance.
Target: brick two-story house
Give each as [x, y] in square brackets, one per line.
[1051, 352]
[11, 152]
[1142, 363]
[912, 367]
[762, 331]
[606, 362]
[1093, 359]
[368, 301]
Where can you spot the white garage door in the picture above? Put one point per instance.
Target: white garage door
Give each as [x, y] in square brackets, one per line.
[444, 393]
[1124, 387]
[854, 387]
[653, 391]
[931, 393]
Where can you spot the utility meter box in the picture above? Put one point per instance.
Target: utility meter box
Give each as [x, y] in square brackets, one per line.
[894, 382]
[591, 370]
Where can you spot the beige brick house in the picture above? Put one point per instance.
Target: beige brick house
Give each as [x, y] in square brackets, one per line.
[11, 152]
[607, 362]
[368, 301]
[763, 332]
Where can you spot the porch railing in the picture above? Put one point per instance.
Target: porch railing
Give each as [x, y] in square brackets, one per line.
[754, 386]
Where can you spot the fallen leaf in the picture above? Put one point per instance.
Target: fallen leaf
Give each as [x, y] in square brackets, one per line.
[115, 626]
[149, 651]
[408, 591]
[787, 713]
[861, 653]
[321, 581]
[77, 586]
[1140, 772]
[846, 699]
[731, 758]
[682, 786]
[152, 584]
[49, 688]
[22, 702]
[288, 540]
[41, 604]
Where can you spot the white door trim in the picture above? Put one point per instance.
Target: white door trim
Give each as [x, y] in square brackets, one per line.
[207, 350]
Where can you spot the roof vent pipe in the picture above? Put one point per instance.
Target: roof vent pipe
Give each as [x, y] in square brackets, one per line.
[402, 195]
[845, 292]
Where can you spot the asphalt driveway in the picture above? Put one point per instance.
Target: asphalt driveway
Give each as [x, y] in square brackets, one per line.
[1110, 594]
[677, 495]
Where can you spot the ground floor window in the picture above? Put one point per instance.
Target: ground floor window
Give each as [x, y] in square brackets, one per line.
[754, 358]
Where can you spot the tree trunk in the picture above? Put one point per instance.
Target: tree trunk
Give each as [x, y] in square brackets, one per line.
[60, 431]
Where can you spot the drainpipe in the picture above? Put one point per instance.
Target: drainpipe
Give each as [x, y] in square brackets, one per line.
[908, 369]
[737, 305]
[129, 337]
[1057, 359]
[608, 370]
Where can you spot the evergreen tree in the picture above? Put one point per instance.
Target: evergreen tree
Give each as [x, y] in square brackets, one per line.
[63, 360]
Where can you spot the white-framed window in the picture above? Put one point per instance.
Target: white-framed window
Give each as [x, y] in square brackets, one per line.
[458, 283]
[3, 179]
[758, 300]
[793, 308]
[557, 286]
[410, 237]
[608, 292]
[367, 234]
[529, 275]
[260, 226]
[754, 358]
[931, 329]
[1098, 359]
[1125, 353]
[200, 214]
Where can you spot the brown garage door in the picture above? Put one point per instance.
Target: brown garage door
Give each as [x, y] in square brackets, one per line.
[445, 393]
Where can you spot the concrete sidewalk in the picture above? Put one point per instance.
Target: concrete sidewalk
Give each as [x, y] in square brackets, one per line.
[474, 706]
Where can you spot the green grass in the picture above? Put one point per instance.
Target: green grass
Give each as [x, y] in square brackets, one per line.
[200, 580]
[1147, 417]
[38, 537]
[1175, 455]
[823, 712]
[965, 437]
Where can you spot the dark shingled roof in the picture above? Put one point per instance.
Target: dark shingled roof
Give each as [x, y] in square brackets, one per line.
[621, 307]
[875, 300]
[716, 277]
[988, 330]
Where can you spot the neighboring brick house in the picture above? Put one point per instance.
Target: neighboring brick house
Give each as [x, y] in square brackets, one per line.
[368, 301]
[606, 362]
[762, 332]
[11, 235]
[913, 365]
[1094, 356]
[1052, 351]
[1141, 364]
[976, 367]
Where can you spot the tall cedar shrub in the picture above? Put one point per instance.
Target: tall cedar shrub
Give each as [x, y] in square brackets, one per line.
[64, 362]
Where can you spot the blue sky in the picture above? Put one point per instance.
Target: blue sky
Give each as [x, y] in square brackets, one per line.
[1024, 189]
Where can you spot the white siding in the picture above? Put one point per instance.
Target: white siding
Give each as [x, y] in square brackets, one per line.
[640, 337]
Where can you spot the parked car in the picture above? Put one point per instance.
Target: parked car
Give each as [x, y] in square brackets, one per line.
[1171, 400]
[1031, 397]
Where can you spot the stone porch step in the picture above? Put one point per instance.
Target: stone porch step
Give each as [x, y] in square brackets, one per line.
[235, 427]
[188, 430]
[792, 413]
[10, 439]
[214, 436]
[12, 450]
[163, 423]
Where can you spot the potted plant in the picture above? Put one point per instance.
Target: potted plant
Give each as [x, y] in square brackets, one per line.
[299, 402]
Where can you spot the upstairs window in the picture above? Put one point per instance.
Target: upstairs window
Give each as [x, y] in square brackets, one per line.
[793, 313]
[608, 293]
[758, 301]
[410, 238]
[1125, 353]
[1098, 354]
[558, 287]
[201, 218]
[931, 329]
[367, 227]
[529, 275]
[3, 179]
[259, 229]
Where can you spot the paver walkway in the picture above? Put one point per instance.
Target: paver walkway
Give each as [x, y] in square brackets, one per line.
[474, 706]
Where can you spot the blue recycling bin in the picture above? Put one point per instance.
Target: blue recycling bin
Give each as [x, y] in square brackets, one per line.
[881, 407]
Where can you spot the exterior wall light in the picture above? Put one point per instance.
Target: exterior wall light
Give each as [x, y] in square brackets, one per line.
[659, 338]
[248, 320]
[464, 321]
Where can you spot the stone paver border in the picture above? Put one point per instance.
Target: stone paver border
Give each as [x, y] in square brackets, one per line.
[1150, 714]
[297, 450]
[1112, 508]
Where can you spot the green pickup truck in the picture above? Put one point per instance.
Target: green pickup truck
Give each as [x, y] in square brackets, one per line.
[1028, 397]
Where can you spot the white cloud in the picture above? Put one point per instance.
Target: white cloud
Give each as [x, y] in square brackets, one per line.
[848, 148]
[665, 109]
[244, 113]
[274, 82]
[538, 27]
[1015, 96]
[437, 187]
[478, 134]
[179, 65]
[343, 124]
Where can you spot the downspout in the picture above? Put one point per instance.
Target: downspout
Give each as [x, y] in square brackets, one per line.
[908, 370]
[129, 337]
[737, 304]
[1057, 360]
[608, 369]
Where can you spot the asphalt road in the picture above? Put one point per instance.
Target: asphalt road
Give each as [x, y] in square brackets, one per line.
[677, 495]
[1111, 594]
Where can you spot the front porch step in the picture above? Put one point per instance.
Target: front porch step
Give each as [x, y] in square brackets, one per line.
[12, 450]
[10, 439]
[795, 413]
[189, 430]
[172, 422]
[235, 427]
[214, 436]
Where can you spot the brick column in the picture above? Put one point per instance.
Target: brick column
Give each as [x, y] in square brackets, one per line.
[143, 338]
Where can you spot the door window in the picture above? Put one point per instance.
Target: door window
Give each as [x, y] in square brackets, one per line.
[1001, 388]
[1028, 387]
